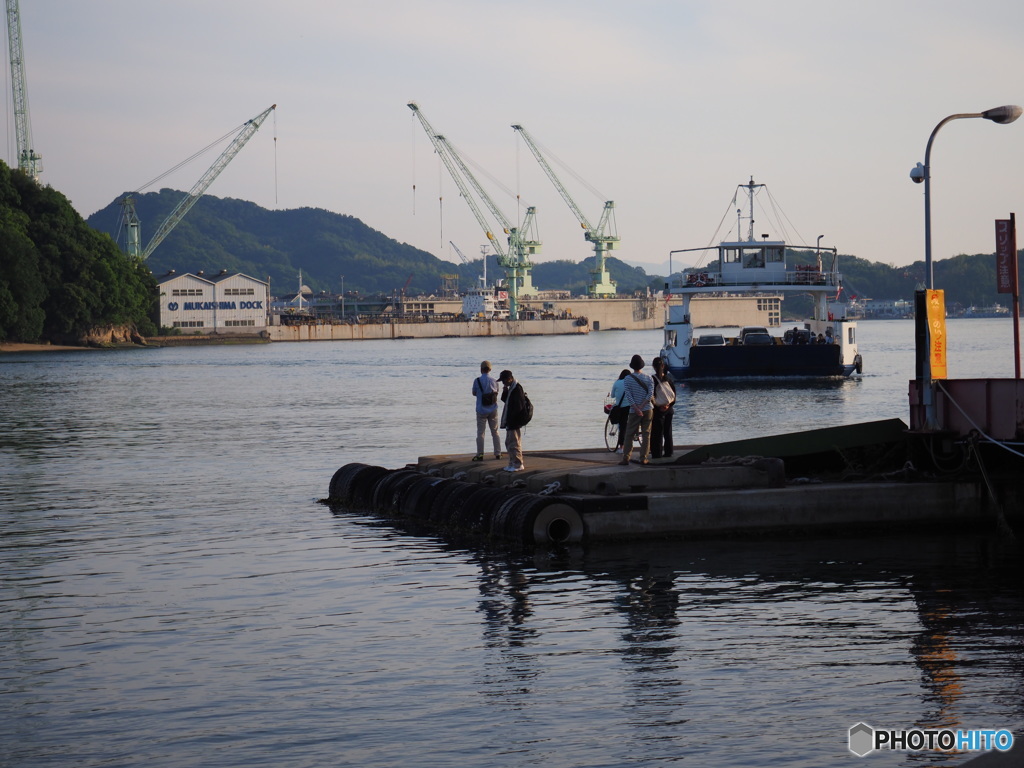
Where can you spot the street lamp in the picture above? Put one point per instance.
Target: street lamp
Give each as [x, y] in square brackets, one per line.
[922, 173]
[342, 296]
[1001, 115]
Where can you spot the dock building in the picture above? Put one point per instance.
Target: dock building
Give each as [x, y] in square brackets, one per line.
[230, 302]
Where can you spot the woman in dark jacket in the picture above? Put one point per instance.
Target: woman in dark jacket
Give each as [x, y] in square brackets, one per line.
[661, 424]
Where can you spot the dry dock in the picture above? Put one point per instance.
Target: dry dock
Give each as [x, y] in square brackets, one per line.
[580, 496]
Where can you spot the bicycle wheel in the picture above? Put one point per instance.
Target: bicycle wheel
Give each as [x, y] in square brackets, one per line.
[611, 435]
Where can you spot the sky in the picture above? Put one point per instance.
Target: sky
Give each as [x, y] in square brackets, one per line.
[664, 106]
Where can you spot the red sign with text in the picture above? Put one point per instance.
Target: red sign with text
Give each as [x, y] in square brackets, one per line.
[1006, 256]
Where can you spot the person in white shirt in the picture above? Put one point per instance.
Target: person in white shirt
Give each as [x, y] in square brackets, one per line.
[639, 395]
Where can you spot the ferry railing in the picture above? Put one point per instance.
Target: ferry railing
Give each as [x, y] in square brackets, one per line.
[798, 277]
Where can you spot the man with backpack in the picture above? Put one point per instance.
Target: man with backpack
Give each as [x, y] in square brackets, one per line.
[517, 413]
[485, 388]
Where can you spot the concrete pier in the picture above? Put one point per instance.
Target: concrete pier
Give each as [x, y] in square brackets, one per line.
[587, 496]
[744, 495]
[410, 329]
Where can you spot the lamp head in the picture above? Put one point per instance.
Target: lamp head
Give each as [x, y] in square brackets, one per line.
[917, 173]
[1002, 115]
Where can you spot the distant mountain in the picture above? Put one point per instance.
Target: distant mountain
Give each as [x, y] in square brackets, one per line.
[224, 233]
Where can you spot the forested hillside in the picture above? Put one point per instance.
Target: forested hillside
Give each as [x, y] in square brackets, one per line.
[967, 281]
[59, 277]
[223, 233]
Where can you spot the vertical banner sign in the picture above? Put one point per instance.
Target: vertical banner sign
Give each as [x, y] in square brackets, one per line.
[936, 302]
[1006, 256]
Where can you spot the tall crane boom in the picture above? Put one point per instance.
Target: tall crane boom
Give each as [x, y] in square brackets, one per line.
[603, 238]
[523, 241]
[28, 160]
[516, 260]
[249, 128]
[441, 148]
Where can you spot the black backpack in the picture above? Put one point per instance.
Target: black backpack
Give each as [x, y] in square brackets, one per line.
[527, 409]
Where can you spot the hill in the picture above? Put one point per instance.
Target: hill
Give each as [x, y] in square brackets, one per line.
[968, 280]
[60, 280]
[224, 233]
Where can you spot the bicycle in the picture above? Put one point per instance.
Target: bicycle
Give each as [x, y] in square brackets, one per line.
[611, 429]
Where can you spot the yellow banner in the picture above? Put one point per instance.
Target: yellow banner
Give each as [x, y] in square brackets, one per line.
[936, 302]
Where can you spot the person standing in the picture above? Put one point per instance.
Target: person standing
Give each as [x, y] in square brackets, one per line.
[620, 411]
[661, 421]
[512, 420]
[485, 388]
[639, 394]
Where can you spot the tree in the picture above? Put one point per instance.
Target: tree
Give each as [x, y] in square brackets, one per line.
[59, 278]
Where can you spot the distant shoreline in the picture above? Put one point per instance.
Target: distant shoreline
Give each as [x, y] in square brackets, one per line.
[154, 342]
[19, 347]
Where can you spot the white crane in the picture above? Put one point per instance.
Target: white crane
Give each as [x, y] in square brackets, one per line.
[522, 241]
[28, 160]
[604, 236]
[131, 220]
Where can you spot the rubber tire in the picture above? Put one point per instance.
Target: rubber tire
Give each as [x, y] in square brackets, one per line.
[338, 489]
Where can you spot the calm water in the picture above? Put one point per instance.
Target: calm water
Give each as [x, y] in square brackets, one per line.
[171, 594]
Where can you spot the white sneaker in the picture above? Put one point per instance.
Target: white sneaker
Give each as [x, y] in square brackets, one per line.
[619, 449]
[516, 469]
[509, 468]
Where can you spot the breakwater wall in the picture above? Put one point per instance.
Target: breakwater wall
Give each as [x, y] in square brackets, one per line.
[426, 330]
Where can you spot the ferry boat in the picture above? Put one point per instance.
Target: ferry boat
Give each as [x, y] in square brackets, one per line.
[824, 346]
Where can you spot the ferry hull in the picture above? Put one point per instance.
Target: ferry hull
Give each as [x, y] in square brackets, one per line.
[814, 360]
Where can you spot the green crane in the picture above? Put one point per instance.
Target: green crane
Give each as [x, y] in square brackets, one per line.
[131, 219]
[604, 236]
[28, 160]
[522, 241]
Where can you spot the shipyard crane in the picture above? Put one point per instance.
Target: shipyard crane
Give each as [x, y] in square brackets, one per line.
[131, 220]
[467, 262]
[462, 256]
[28, 161]
[516, 259]
[604, 236]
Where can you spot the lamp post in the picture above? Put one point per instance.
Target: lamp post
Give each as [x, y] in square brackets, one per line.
[922, 173]
[1001, 115]
[342, 296]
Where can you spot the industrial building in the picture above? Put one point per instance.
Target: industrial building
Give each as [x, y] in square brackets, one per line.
[225, 304]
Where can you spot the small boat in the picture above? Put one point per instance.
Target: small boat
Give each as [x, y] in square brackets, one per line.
[825, 346]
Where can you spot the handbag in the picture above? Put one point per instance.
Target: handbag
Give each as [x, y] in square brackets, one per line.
[486, 398]
[664, 395]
